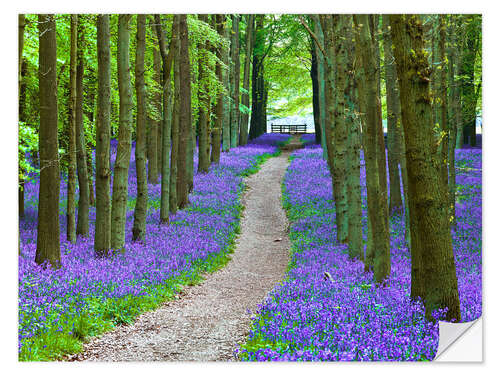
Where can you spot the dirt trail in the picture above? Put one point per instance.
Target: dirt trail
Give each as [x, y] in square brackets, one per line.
[209, 320]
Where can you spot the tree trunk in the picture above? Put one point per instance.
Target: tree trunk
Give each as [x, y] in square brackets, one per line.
[321, 83]
[235, 75]
[22, 104]
[467, 132]
[258, 120]
[82, 227]
[226, 105]
[47, 242]
[166, 119]
[204, 100]
[174, 153]
[442, 103]
[154, 140]
[393, 124]
[102, 241]
[71, 202]
[427, 192]
[454, 114]
[245, 97]
[122, 163]
[216, 131]
[141, 203]
[377, 198]
[353, 126]
[184, 114]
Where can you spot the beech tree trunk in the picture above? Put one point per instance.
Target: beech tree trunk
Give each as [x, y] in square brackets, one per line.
[166, 119]
[184, 115]
[22, 105]
[204, 100]
[217, 129]
[122, 163]
[245, 97]
[174, 153]
[141, 203]
[427, 192]
[258, 121]
[235, 81]
[321, 83]
[71, 202]
[353, 127]
[154, 139]
[82, 226]
[102, 240]
[226, 104]
[393, 123]
[341, 24]
[47, 241]
[377, 198]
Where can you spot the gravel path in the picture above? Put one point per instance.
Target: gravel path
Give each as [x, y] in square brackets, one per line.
[209, 320]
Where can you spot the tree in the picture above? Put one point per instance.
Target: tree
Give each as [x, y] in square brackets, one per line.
[82, 226]
[217, 129]
[166, 119]
[123, 150]
[226, 105]
[204, 100]
[467, 133]
[174, 153]
[102, 239]
[320, 82]
[353, 144]
[258, 120]
[22, 100]
[47, 242]
[141, 203]
[70, 208]
[154, 138]
[379, 253]
[245, 101]
[184, 114]
[394, 137]
[427, 192]
[235, 79]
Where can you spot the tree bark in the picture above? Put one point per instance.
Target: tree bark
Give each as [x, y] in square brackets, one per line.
[82, 226]
[184, 114]
[122, 163]
[166, 120]
[71, 202]
[216, 131]
[102, 240]
[47, 243]
[353, 126]
[141, 203]
[377, 198]
[235, 82]
[226, 104]
[321, 82]
[427, 193]
[174, 153]
[245, 97]
[22, 104]
[258, 120]
[154, 139]
[393, 124]
[204, 100]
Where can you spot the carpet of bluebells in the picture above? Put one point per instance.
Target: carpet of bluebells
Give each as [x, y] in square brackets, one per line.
[308, 318]
[88, 295]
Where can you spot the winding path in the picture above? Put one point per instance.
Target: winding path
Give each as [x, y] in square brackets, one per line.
[207, 321]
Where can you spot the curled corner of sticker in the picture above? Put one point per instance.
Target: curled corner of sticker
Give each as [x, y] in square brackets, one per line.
[460, 342]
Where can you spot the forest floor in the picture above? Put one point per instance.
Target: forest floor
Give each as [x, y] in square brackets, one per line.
[206, 322]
